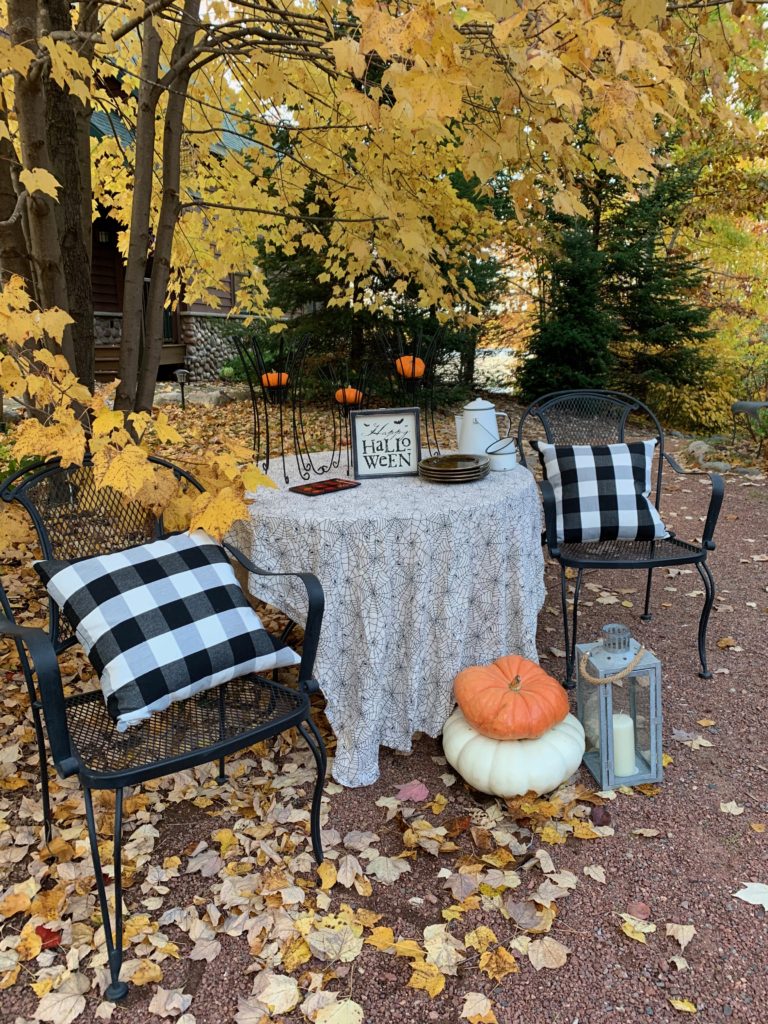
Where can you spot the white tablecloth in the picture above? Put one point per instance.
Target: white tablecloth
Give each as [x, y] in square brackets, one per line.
[421, 580]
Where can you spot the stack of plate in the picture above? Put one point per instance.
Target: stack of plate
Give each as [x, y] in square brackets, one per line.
[454, 469]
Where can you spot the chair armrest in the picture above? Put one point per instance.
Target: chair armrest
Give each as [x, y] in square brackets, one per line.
[715, 501]
[550, 517]
[45, 666]
[315, 608]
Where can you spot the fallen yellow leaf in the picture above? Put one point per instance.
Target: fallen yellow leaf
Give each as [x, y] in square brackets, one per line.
[327, 873]
[498, 964]
[146, 973]
[428, 978]
[480, 939]
[683, 1005]
[635, 928]
[381, 938]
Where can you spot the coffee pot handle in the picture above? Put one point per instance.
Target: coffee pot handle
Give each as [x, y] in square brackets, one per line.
[509, 422]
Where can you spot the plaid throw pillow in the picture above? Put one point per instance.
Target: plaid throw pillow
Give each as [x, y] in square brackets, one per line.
[601, 491]
[161, 622]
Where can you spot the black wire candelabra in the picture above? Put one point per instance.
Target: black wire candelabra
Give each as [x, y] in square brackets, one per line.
[326, 379]
[270, 388]
[410, 364]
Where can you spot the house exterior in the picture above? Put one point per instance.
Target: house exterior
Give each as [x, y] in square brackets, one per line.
[195, 335]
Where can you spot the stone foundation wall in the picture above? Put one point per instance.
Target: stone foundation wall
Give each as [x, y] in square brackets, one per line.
[106, 328]
[209, 344]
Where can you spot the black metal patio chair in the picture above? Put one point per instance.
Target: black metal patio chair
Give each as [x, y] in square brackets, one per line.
[74, 519]
[596, 417]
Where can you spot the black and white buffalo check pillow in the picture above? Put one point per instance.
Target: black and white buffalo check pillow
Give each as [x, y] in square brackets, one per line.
[601, 491]
[161, 622]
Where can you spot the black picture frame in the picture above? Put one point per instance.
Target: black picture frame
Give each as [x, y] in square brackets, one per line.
[391, 428]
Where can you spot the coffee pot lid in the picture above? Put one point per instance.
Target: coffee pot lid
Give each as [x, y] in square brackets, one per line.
[478, 404]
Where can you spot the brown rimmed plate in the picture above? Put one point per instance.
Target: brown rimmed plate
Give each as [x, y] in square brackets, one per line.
[455, 463]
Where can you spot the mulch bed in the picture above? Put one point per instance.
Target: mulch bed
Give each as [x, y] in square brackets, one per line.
[686, 874]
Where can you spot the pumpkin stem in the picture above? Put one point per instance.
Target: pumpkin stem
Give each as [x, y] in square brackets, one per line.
[516, 684]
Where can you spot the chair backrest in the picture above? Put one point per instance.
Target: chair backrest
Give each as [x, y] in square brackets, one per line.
[592, 417]
[73, 518]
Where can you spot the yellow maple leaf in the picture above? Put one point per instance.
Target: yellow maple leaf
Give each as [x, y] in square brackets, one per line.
[635, 928]
[381, 938]
[215, 513]
[53, 321]
[166, 434]
[683, 1005]
[30, 944]
[107, 421]
[126, 470]
[327, 873]
[146, 973]
[14, 902]
[428, 978]
[409, 947]
[480, 938]
[296, 953]
[51, 440]
[37, 179]
[583, 830]
[549, 834]
[497, 964]
[226, 839]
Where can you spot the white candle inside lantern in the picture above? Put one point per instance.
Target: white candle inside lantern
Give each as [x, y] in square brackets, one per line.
[623, 745]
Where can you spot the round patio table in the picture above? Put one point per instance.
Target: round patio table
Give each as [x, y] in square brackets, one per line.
[420, 580]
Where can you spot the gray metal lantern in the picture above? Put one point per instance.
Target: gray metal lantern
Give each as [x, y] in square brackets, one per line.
[619, 705]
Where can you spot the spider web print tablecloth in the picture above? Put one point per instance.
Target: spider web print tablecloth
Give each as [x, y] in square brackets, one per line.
[420, 580]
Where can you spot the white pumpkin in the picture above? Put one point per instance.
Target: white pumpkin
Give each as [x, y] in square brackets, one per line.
[513, 767]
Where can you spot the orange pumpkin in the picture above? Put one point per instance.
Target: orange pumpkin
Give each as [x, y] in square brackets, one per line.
[348, 396]
[510, 699]
[273, 379]
[410, 366]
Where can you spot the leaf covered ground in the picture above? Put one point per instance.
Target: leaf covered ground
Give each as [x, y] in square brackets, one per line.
[434, 903]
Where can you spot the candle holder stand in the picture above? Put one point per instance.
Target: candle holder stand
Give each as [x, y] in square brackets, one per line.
[618, 695]
[270, 389]
[409, 360]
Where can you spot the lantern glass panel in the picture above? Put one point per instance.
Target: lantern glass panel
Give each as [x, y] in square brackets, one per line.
[631, 733]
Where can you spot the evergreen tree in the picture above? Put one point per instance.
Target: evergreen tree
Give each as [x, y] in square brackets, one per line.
[570, 346]
[651, 286]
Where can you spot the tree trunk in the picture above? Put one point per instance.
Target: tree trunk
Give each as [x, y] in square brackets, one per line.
[170, 207]
[87, 22]
[14, 258]
[62, 135]
[139, 235]
[44, 247]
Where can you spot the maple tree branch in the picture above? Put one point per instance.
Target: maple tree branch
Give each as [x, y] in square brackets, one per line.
[18, 210]
[312, 218]
[139, 19]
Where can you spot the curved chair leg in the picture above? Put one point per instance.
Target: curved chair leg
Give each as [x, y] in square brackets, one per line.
[316, 745]
[566, 633]
[43, 759]
[646, 616]
[709, 587]
[570, 644]
[116, 989]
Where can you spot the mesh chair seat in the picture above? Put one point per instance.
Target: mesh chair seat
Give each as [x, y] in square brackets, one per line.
[630, 554]
[596, 417]
[184, 733]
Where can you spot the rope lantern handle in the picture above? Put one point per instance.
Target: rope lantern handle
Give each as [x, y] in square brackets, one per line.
[617, 676]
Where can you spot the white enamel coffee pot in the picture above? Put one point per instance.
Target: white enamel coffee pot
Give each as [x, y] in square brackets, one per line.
[477, 427]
